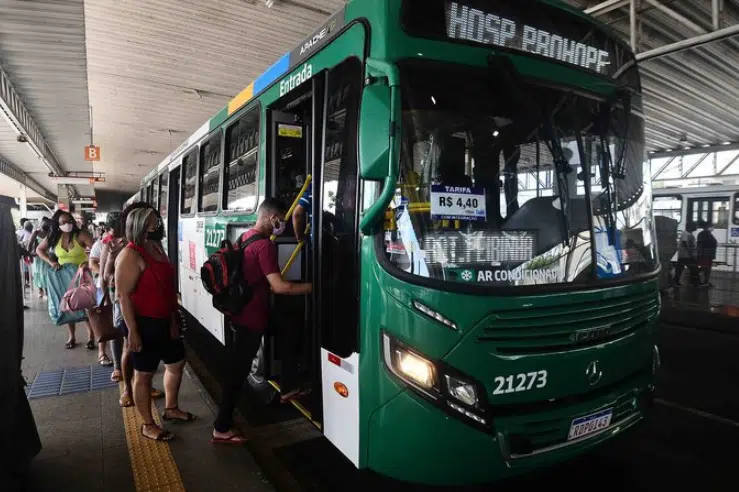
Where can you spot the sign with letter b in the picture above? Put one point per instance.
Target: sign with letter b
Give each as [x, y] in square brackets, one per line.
[92, 153]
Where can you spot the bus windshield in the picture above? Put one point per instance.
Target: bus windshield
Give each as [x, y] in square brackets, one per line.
[492, 186]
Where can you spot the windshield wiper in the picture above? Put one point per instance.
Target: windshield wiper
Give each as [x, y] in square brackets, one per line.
[585, 176]
[503, 71]
[562, 168]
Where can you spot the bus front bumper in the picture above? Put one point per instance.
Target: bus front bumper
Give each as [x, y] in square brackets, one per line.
[412, 440]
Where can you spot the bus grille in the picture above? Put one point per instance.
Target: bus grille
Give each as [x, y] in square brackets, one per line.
[539, 435]
[561, 328]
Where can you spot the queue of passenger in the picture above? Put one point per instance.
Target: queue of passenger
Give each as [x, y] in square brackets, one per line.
[130, 269]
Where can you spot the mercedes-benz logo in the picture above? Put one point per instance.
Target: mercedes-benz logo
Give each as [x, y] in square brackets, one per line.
[593, 373]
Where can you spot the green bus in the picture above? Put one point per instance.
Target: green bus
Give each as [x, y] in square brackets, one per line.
[483, 249]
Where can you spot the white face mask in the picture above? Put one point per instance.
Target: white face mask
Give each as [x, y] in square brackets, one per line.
[66, 228]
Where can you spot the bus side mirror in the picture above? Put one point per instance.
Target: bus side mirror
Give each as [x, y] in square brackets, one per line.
[374, 135]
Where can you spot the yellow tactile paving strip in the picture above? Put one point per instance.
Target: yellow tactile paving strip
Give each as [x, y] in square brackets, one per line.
[154, 468]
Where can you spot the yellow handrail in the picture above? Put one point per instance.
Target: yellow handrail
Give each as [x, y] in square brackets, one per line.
[297, 249]
[295, 202]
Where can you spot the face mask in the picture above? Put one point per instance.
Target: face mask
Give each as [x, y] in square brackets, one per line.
[278, 229]
[156, 235]
[66, 227]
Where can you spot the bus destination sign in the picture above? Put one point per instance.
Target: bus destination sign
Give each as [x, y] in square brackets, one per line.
[471, 24]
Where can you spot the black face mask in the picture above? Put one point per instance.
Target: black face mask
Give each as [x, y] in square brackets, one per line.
[156, 235]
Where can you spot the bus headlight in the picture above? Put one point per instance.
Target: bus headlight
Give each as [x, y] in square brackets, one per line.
[459, 394]
[461, 390]
[409, 366]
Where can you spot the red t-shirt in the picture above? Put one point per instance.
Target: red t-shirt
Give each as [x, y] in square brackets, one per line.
[260, 260]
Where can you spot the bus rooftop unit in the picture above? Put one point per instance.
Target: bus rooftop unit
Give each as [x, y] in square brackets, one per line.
[483, 249]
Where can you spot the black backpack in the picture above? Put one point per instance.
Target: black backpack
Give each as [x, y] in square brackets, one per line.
[223, 276]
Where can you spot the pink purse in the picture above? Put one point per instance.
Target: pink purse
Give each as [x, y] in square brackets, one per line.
[81, 293]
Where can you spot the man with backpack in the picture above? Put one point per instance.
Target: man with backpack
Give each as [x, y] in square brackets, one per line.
[261, 272]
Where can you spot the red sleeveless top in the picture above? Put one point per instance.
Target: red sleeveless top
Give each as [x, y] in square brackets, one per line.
[155, 295]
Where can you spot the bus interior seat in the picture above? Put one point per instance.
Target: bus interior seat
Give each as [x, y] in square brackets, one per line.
[539, 214]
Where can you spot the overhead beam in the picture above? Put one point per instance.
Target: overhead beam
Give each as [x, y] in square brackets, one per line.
[688, 43]
[726, 167]
[693, 150]
[692, 168]
[662, 169]
[605, 7]
[676, 16]
[22, 178]
[18, 117]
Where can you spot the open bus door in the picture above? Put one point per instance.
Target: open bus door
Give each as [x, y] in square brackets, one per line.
[291, 342]
[315, 133]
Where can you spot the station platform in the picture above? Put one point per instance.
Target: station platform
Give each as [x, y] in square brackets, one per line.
[713, 308]
[90, 443]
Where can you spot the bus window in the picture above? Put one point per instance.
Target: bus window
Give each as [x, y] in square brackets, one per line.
[210, 174]
[242, 144]
[713, 211]
[189, 173]
[736, 209]
[339, 210]
[164, 193]
[154, 193]
[669, 206]
[720, 215]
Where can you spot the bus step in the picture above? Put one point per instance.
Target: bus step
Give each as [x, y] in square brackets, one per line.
[306, 413]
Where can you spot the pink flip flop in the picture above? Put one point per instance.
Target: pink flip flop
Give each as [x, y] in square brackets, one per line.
[235, 439]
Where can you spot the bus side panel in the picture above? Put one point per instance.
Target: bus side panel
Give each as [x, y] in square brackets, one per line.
[340, 384]
[188, 263]
[194, 298]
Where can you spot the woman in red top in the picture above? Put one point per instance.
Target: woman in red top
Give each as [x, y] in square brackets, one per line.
[144, 280]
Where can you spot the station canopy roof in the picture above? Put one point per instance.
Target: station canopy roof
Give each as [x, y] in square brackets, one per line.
[154, 70]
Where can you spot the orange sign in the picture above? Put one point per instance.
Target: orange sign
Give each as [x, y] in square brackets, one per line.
[92, 153]
[97, 179]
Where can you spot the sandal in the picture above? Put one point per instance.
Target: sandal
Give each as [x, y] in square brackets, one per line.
[116, 376]
[70, 344]
[105, 361]
[126, 401]
[188, 416]
[90, 345]
[165, 435]
[235, 439]
[155, 393]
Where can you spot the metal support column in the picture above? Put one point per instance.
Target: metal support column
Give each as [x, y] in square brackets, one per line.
[632, 22]
[716, 14]
[24, 201]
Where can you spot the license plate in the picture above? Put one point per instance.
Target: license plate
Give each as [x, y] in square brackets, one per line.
[583, 426]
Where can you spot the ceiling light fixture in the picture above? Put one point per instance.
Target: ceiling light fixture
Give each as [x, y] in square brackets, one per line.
[269, 3]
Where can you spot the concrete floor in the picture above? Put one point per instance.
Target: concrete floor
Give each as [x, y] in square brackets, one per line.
[83, 437]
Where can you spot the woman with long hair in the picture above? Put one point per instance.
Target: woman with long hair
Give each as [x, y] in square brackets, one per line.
[64, 251]
[145, 286]
[121, 356]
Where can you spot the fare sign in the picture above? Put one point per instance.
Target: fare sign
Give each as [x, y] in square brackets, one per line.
[466, 23]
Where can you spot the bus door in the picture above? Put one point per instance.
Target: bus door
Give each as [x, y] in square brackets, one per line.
[172, 180]
[714, 210]
[336, 256]
[289, 344]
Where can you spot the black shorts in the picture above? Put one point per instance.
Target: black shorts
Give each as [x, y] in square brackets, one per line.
[156, 345]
